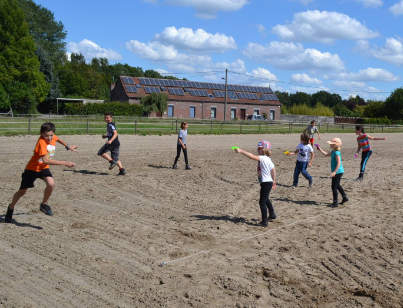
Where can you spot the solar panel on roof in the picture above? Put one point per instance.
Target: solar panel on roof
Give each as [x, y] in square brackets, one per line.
[176, 91]
[150, 90]
[131, 89]
[128, 80]
[269, 97]
[197, 92]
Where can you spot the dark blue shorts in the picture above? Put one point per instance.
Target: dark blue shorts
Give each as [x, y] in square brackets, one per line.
[114, 149]
[29, 177]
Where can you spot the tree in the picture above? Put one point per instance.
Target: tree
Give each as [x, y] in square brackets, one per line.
[19, 66]
[374, 110]
[300, 98]
[155, 102]
[283, 97]
[326, 98]
[394, 105]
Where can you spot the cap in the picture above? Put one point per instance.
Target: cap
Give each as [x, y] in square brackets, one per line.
[336, 141]
[264, 144]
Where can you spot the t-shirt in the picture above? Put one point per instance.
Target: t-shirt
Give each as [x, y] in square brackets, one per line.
[311, 130]
[304, 152]
[364, 142]
[42, 148]
[333, 162]
[110, 128]
[264, 166]
[183, 133]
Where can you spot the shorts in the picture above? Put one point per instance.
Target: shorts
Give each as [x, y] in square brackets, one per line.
[29, 177]
[114, 149]
[311, 140]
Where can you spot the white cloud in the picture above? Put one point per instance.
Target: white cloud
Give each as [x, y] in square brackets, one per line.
[263, 74]
[90, 50]
[371, 3]
[209, 8]
[305, 79]
[370, 74]
[293, 56]
[199, 40]
[397, 9]
[392, 52]
[323, 26]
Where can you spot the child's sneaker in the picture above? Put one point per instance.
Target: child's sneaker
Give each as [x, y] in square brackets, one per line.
[46, 209]
[188, 167]
[334, 204]
[263, 223]
[174, 166]
[9, 215]
[310, 183]
[345, 199]
[112, 164]
[122, 172]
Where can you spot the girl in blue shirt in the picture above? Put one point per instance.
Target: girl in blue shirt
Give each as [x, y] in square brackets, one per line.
[336, 168]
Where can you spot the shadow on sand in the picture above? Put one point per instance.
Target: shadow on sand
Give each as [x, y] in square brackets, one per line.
[87, 172]
[21, 224]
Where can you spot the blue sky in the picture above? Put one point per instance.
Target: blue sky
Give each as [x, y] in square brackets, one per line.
[347, 47]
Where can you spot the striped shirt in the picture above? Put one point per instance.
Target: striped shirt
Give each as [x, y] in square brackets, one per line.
[364, 142]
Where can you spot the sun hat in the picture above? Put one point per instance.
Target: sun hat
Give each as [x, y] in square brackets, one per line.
[336, 141]
[264, 144]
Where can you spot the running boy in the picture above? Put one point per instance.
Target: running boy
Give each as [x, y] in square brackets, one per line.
[181, 146]
[337, 169]
[267, 178]
[365, 147]
[311, 130]
[38, 167]
[112, 145]
[305, 157]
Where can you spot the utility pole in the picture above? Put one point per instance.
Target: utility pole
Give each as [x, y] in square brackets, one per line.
[226, 94]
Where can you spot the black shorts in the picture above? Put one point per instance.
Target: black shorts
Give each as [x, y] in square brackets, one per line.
[114, 149]
[29, 177]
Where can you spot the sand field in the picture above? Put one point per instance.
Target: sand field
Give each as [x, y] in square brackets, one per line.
[109, 236]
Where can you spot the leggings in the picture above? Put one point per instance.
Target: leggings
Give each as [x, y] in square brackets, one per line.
[265, 202]
[178, 153]
[337, 187]
[364, 159]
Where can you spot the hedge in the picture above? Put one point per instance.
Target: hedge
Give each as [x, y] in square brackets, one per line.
[116, 108]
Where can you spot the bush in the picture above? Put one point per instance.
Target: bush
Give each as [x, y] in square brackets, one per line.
[318, 110]
[116, 108]
[383, 120]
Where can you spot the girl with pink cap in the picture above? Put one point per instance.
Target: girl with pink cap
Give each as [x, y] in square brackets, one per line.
[267, 178]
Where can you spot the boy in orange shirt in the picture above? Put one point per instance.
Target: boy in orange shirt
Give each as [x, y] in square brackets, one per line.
[38, 167]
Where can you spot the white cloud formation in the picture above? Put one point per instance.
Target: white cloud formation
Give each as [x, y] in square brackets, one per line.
[209, 8]
[305, 79]
[392, 52]
[397, 9]
[199, 40]
[264, 74]
[323, 26]
[293, 56]
[369, 74]
[90, 50]
[371, 3]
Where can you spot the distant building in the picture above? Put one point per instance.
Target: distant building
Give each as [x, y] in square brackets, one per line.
[200, 100]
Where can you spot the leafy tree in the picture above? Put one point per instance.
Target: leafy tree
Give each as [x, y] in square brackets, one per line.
[394, 105]
[19, 66]
[155, 102]
[283, 97]
[326, 99]
[374, 110]
[353, 102]
[341, 110]
[300, 98]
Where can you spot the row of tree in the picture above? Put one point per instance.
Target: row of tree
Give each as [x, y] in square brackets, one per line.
[34, 70]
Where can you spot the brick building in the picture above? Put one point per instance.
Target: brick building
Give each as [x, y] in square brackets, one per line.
[200, 100]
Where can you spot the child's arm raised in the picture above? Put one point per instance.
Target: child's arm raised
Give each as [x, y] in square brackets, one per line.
[375, 138]
[247, 154]
[323, 151]
[46, 159]
[68, 147]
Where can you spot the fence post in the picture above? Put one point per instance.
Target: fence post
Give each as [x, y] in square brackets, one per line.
[29, 125]
[176, 125]
[289, 127]
[88, 126]
[240, 128]
[327, 127]
[135, 127]
[172, 124]
[259, 127]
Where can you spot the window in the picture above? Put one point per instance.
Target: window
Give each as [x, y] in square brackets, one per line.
[256, 111]
[272, 114]
[170, 111]
[233, 113]
[213, 112]
[192, 112]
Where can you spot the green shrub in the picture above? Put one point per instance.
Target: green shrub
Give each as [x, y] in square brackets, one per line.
[383, 120]
[318, 110]
[116, 108]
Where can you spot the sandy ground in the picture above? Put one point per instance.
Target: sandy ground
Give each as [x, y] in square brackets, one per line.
[109, 235]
